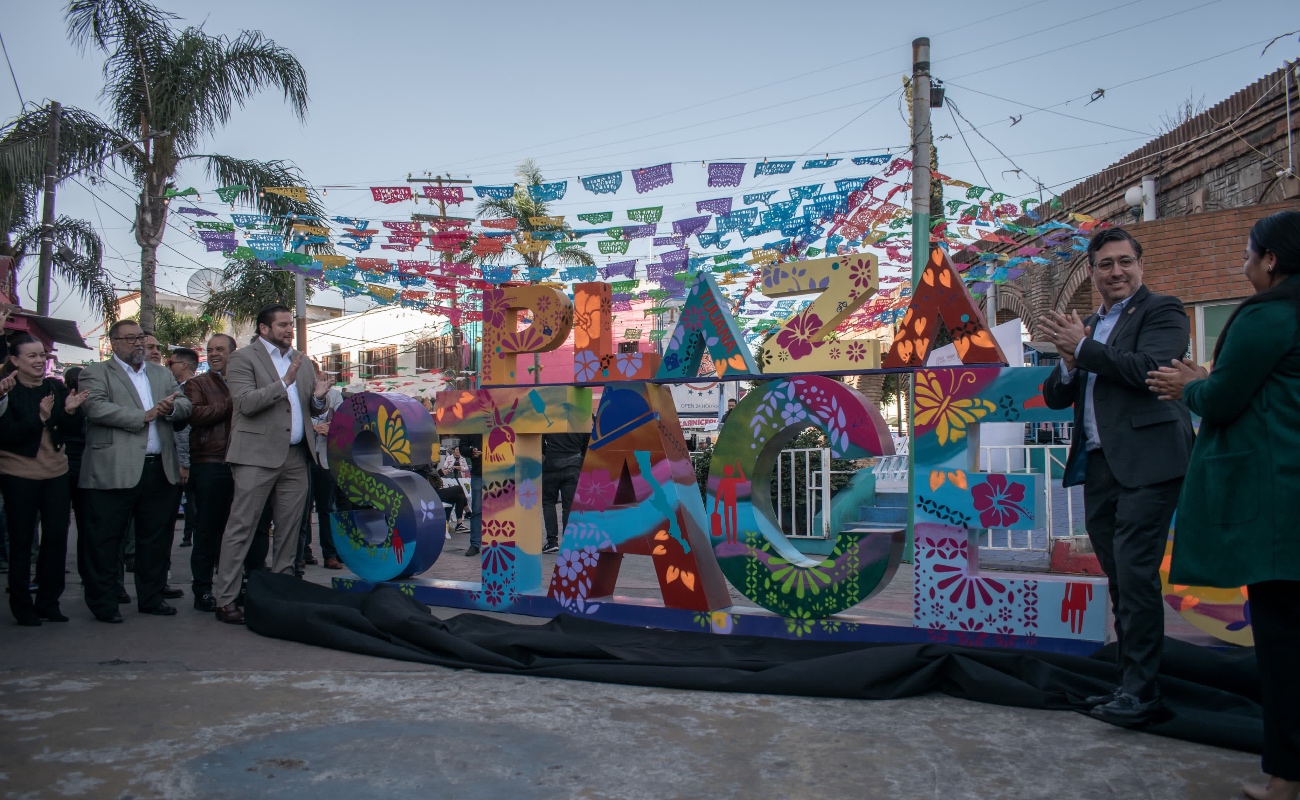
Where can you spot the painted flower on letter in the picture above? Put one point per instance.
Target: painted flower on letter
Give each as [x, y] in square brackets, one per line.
[798, 334]
[628, 364]
[586, 365]
[998, 501]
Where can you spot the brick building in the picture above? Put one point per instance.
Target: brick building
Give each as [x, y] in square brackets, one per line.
[1214, 176]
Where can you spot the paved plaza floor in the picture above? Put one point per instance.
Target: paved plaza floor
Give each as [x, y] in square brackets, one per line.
[186, 707]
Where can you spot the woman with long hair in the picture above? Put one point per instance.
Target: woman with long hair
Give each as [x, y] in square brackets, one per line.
[1239, 512]
[34, 480]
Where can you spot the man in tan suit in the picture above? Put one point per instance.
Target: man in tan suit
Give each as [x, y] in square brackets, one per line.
[275, 395]
[130, 471]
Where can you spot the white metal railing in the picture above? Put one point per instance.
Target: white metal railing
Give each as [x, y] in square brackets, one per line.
[817, 489]
[814, 465]
[890, 469]
[1032, 458]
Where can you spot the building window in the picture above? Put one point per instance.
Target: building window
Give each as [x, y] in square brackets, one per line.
[337, 367]
[1210, 319]
[378, 363]
[435, 355]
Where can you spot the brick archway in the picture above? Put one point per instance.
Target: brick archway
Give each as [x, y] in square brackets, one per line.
[1011, 300]
[1063, 298]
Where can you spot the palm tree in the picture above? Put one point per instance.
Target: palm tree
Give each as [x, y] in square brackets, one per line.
[177, 88]
[522, 208]
[85, 143]
[248, 286]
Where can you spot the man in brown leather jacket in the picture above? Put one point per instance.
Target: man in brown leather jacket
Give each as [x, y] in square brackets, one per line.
[214, 488]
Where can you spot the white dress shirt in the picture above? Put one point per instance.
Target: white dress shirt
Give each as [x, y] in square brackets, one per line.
[282, 362]
[140, 380]
[1106, 321]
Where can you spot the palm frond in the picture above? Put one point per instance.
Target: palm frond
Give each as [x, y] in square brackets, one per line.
[257, 175]
[78, 259]
[105, 24]
[206, 77]
[248, 287]
[85, 143]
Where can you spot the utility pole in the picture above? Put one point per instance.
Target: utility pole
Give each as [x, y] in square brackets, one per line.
[300, 310]
[921, 140]
[47, 214]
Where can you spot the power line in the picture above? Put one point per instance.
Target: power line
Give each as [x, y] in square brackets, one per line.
[878, 54]
[21, 101]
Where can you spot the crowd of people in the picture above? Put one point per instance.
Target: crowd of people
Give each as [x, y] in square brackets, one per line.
[117, 443]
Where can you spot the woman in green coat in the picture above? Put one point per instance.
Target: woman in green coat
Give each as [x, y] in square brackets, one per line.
[1239, 512]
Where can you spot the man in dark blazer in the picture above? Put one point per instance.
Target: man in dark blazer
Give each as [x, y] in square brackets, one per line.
[1129, 450]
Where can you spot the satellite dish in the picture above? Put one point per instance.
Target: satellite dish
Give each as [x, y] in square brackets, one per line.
[203, 283]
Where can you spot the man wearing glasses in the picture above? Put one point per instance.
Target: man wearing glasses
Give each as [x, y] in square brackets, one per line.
[1129, 450]
[130, 471]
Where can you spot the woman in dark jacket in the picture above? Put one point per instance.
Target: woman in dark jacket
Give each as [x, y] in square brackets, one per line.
[34, 480]
[1240, 502]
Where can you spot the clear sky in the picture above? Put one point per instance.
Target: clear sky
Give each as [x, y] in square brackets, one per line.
[591, 87]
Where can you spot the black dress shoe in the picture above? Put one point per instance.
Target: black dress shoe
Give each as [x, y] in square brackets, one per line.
[27, 618]
[53, 615]
[123, 598]
[1128, 711]
[310, 561]
[205, 603]
[187, 542]
[471, 551]
[113, 618]
[171, 593]
[231, 614]
[160, 610]
[1102, 699]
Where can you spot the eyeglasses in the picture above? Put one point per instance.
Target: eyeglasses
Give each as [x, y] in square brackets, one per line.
[132, 339]
[1125, 262]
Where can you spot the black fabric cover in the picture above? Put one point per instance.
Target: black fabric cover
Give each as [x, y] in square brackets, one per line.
[1213, 695]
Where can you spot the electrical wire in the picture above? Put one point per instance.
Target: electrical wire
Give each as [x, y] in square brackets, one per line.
[878, 54]
[21, 102]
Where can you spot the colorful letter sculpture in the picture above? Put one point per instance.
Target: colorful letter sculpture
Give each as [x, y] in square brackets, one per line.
[594, 359]
[1222, 613]
[513, 420]
[942, 295]
[704, 323]
[638, 495]
[954, 500]
[843, 283]
[398, 527]
[552, 312]
[747, 539]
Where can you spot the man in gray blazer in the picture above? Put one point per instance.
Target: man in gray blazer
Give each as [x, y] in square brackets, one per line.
[1129, 451]
[275, 395]
[130, 471]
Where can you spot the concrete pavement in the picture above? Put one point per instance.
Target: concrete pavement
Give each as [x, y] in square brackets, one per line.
[185, 707]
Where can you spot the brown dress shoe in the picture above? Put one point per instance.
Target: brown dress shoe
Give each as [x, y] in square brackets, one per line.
[231, 613]
[333, 563]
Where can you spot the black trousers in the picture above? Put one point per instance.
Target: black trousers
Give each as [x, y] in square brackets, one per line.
[213, 489]
[191, 509]
[456, 496]
[28, 503]
[1128, 529]
[151, 505]
[563, 483]
[79, 516]
[321, 494]
[1275, 620]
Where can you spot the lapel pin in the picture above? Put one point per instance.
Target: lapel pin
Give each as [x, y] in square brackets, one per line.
[1131, 310]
